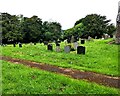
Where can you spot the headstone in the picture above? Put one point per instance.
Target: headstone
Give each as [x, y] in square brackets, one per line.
[20, 45]
[75, 45]
[72, 39]
[95, 37]
[67, 49]
[117, 35]
[50, 47]
[31, 43]
[14, 45]
[80, 50]
[57, 48]
[82, 41]
[105, 36]
[65, 42]
[89, 38]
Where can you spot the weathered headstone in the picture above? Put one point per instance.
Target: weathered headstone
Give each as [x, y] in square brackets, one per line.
[117, 35]
[80, 50]
[75, 45]
[72, 39]
[50, 47]
[95, 37]
[82, 41]
[57, 47]
[67, 49]
[89, 38]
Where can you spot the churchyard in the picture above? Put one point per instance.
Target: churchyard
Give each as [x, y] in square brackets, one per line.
[99, 56]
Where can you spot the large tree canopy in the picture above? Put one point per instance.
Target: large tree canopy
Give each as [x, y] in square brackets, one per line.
[24, 29]
[96, 25]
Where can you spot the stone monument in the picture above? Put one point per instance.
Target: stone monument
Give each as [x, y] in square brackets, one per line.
[117, 35]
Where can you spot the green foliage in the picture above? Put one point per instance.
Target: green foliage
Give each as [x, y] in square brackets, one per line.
[20, 79]
[95, 25]
[24, 29]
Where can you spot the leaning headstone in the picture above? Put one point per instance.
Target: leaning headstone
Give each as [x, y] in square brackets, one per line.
[67, 49]
[80, 50]
[20, 45]
[82, 41]
[117, 35]
[50, 47]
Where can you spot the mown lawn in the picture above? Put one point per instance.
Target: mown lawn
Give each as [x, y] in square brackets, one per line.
[100, 56]
[20, 79]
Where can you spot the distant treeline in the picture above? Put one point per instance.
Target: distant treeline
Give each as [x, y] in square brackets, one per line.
[17, 28]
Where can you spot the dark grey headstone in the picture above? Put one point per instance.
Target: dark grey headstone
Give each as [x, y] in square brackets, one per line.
[80, 50]
[50, 47]
[82, 41]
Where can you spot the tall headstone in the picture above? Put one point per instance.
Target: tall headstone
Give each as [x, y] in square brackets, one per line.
[72, 39]
[117, 35]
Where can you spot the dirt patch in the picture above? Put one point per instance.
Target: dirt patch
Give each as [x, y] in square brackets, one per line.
[89, 76]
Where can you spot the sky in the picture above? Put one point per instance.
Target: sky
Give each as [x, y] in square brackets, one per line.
[66, 12]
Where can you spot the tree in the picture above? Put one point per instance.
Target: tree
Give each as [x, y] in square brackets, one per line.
[95, 25]
[31, 29]
[10, 28]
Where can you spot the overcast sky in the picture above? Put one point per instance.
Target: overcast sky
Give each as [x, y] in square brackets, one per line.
[66, 12]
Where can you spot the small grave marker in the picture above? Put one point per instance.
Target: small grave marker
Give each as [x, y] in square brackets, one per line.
[82, 41]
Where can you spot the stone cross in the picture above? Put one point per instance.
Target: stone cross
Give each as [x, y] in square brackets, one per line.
[117, 35]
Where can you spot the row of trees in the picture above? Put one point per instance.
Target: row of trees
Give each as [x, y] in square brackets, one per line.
[24, 29]
[33, 29]
[92, 25]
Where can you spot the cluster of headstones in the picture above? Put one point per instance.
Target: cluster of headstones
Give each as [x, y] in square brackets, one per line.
[68, 47]
[19, 44]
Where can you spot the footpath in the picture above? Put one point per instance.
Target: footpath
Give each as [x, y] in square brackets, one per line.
[76, 74]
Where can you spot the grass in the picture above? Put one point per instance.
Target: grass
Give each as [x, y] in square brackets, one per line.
[100, 56]
[20, 79]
